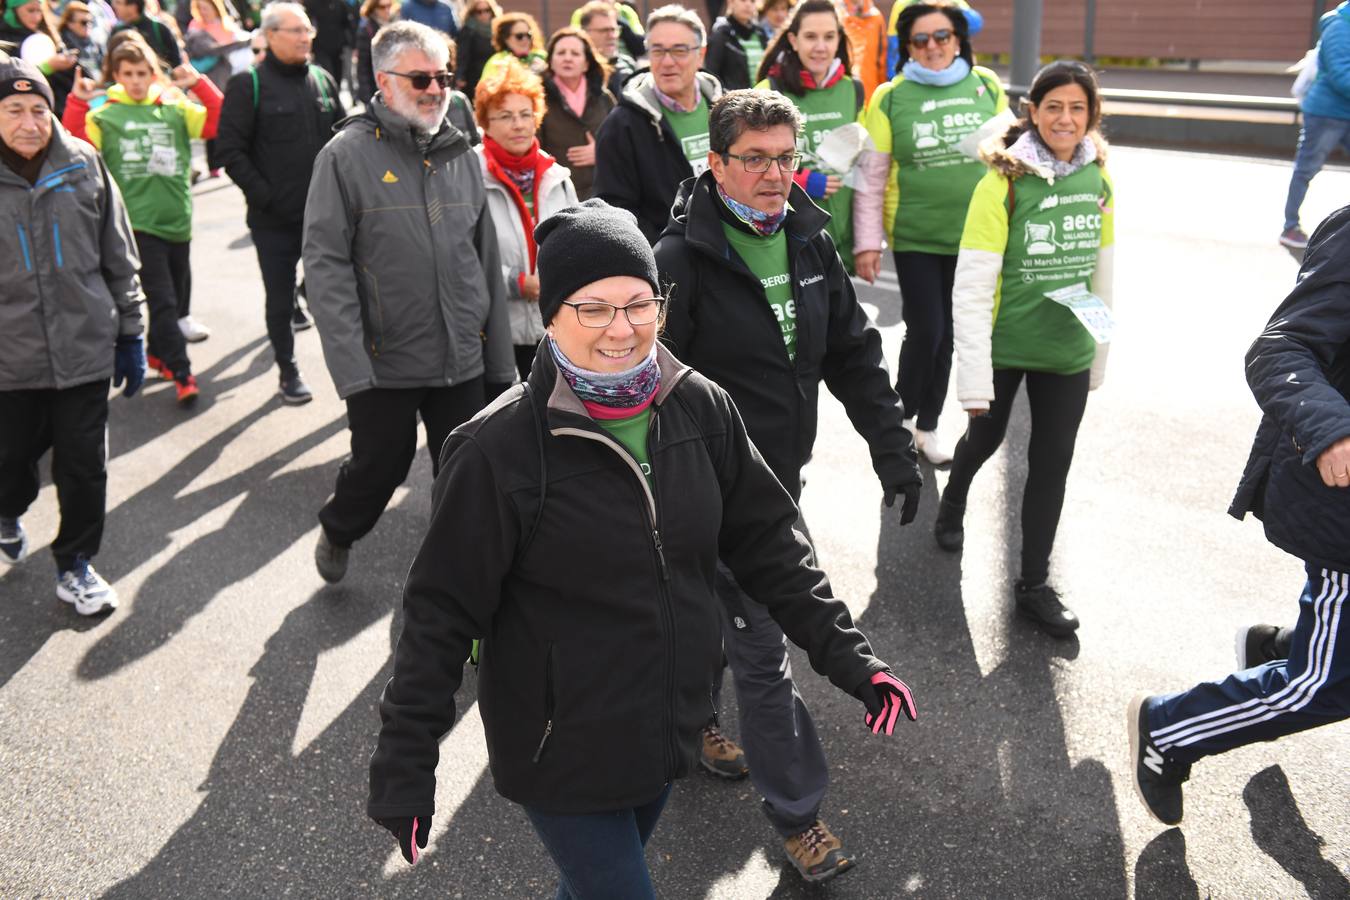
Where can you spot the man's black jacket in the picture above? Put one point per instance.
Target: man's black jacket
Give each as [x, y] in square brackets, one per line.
[720, 322]
[1299, 371]
[598, 617]
[268, 145]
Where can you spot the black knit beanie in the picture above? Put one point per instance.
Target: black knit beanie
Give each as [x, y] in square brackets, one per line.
[18, 76]
[585, 243]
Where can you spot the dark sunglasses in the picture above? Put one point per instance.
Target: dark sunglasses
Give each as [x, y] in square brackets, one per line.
[517, 35]
[422, 80]
[941, 36]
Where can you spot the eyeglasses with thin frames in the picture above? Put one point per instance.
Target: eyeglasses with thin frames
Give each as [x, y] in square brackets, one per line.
[941, 37]
[422, 80]
[679, 53]
[758, 165]
[525, 117]
[599, 314]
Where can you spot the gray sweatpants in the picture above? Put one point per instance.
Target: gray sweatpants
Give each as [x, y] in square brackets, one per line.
[787, 763]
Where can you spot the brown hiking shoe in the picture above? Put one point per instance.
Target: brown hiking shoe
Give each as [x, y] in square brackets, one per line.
[817, 854]
[721, 756]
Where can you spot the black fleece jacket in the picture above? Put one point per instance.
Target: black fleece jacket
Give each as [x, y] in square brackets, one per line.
[268, 147]
[1299, 371]
[720, 322]
[601, 623]
[726, 57]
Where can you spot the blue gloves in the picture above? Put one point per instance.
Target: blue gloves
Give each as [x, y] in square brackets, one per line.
[815, 185]
[885, 697]
[129, 364]
[410, 832]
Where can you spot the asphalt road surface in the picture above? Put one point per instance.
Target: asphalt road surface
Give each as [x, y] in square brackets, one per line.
[211, 736]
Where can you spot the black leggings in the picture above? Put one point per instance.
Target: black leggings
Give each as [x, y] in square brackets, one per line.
[1057, 404]
[926, 355]
[166, 278]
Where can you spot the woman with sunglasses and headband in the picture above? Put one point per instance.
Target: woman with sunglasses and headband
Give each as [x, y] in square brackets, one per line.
[517, 37]
[78, 31]
[808, 62]
[915, 188]
[575, 530]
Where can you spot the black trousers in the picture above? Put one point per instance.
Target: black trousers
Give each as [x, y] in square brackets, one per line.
[383, 425]
[166, 278]
[525, 358]
[1057, 405]
[72, 423]
[278, 254]
[926, 355]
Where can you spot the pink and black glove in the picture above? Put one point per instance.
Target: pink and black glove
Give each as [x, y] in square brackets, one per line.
[410, 832]
[885, 697]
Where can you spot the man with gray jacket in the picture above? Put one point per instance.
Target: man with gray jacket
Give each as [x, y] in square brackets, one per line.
[398, 241]
[69, 320]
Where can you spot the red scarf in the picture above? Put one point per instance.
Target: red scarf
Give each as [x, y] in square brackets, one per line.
[808, 80]
[501, 164]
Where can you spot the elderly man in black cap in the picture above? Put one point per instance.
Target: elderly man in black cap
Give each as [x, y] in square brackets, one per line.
[70, 320]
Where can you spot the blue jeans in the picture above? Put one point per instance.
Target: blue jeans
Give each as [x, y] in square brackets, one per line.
[1318, 137]
[600, 855]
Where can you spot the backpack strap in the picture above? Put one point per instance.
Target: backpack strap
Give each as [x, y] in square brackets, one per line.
[859, 96]
[253, 73]
[1011, 199]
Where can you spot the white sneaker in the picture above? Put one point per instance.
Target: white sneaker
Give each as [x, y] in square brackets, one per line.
[85, 589]
[193, 331]
[931, 447]
[13, 541]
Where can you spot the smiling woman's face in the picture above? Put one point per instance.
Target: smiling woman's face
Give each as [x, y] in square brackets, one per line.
[615, 348]
[1061, 119]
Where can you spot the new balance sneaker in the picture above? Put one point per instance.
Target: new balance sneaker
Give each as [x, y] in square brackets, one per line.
[1294, 239]
[194, 332]
[187, 390]
[294, 390]
[1260, 644]
[330, 559]
[721, 756]
[13, 541]
[817, 854]
[1041, 604]
[932, 449]
[949, 528]
[85, 589]
[1157, 781]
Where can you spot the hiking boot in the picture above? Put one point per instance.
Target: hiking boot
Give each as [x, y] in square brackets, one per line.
[1294, 239]
[13, 541]
[721, 756]
[1041, 605]
[1260, 644]
[950, 529]
[156, 365]
[85, 589]
[927, 443]
[187, 390]
[194, 332]
[330, 559]
[817, 854]
[1157, 781]
[294, 390]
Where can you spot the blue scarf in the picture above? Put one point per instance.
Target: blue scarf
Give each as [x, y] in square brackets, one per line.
[947, 77]
[763, 223]
[630, 388]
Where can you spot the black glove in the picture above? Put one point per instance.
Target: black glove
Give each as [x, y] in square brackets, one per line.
[129, 364]
[410, 832]
[910, 508]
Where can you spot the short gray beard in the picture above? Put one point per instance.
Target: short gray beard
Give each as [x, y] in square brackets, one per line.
[415, 122]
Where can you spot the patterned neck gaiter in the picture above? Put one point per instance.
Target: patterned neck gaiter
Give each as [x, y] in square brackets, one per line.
[610, 395]
[763, 223]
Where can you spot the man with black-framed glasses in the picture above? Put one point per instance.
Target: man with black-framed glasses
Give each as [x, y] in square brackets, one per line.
[657, 135]
[404, 281]
[760, 303]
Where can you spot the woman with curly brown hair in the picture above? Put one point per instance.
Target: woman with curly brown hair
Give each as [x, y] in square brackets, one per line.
[516, 36]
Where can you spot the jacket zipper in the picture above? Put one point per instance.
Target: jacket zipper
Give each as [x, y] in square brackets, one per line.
[548, 702]
[667, 614]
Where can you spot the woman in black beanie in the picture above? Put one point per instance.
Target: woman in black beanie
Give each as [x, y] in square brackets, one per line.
[576, 526]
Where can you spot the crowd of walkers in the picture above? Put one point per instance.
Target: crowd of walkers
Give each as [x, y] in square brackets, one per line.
[608, 269]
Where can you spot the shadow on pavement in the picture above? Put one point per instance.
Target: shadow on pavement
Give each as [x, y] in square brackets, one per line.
[1161, 870]
[263, 526]
[1279, 830]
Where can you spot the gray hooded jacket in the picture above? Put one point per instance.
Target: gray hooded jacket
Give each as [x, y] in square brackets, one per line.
[397, 242]
[70, 286]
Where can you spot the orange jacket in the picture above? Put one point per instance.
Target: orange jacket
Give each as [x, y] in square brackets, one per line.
[866, 29]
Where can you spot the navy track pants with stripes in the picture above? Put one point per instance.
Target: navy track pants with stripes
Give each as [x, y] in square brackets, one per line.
[1310, 688]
